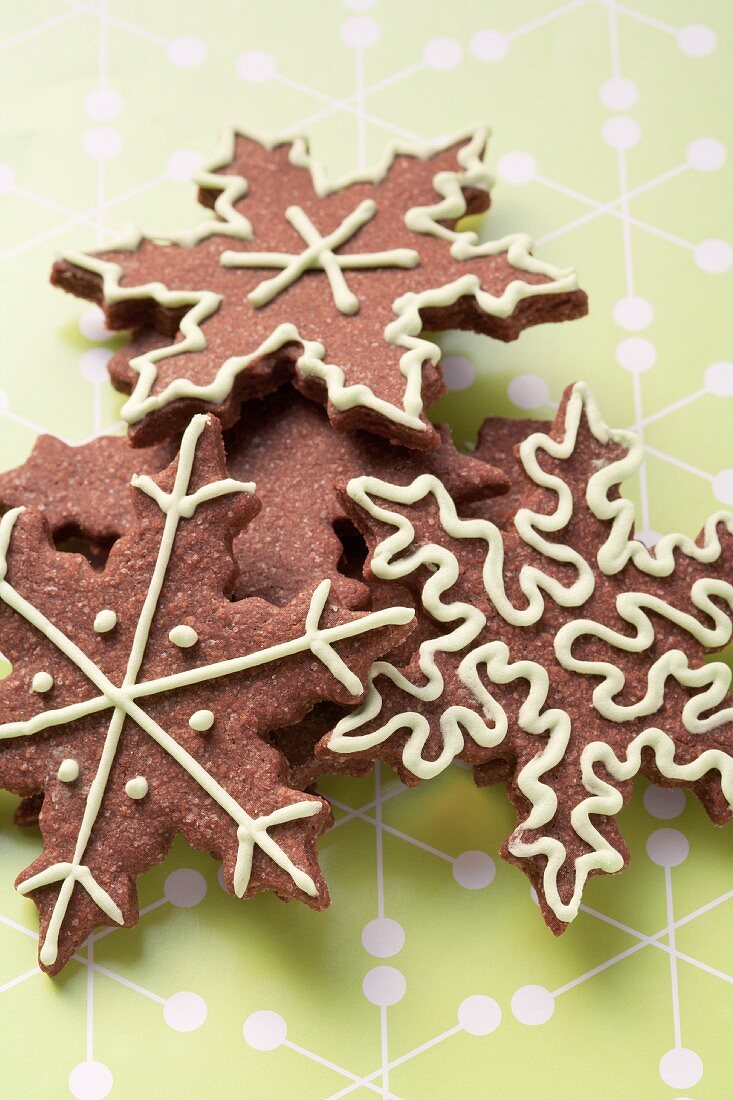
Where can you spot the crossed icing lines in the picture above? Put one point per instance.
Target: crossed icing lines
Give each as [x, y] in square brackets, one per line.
[250, 831]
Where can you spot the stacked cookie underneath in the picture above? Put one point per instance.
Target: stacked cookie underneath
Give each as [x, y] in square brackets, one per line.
[285, 570]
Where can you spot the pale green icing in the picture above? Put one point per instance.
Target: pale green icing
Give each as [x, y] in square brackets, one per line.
[68, 771]
[201, 721]
[105, 621]
[136, 788]
[403, 331]
[42, 682]
[320, 255]
[176, 506]
[712, 629]
[183, 636]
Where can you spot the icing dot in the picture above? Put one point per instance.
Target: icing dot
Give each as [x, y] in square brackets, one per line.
[90, 1081]
[183, 636]
[664, 803]
[697, 40]
[360, 31]
[102, 142]
[137, 788]
[618, 93]
[680, 1068]
[458, 372]
[201, 720]
[256, 66]
[528, 391]
[474, 870]
[93, 365]
[714, 256]
[265, 1030]
[183, 163]
[185, 888]
[442, 53]
[533, 1005]
[719, 379]
[633, 313]
[384, 986]
[105, 621]
[668, 847]
[489, 45]
[7, 178]
[479, 1015]
[649, 538]
[706, 155]
[620, 132]
[636, 354]
[383, 937]
[42, 682]
[723, 486]
[185, 1011]
[186, 52]
[4, 402]
[103, 104]
[68, 771]
[517, 167]
[92, 326]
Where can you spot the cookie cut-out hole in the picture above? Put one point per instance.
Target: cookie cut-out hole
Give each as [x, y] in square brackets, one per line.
[354, 553]
[72, 540]
[5, 667]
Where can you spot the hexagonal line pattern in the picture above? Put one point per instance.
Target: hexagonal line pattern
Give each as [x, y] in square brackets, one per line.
[635, 354]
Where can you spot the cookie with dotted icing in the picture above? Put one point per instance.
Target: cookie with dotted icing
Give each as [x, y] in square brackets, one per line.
[138, 701]
[328, 283]
[570, 656]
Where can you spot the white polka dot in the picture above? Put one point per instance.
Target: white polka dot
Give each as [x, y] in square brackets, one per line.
[474, 870]
[706, 154]
[102, 142]
[7, 178]
[648, 537]
[633, 313]
[528, 391]
[383, 937]
[103, 104]
[489, 45]
[664, 803]
[719, 379]
[265, 1030]
[636, 354]
[4, 403]
[442, 53]
[714, 256]
[680, 1068]
[384, 986]
[256, 66]
[186, 52]
[517, 167]
[618, 93]
[479, 1015]
[360, 31]
[697, 40]
[220, 878]
[359, 5]
[668, 847]
[723, 486]
[183, 163]
[93, 365]
[92, 326]
[90, 1081]
[533, 895]
[533, 1005]
[185, 888]
[458, 372]
[620, 132]
[185, 1011]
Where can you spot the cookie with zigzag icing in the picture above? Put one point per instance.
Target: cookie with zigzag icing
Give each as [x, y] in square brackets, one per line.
[330, 284]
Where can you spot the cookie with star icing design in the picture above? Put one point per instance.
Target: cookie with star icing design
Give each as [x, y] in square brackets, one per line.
[328, 283]
[568, 658]
[138, 702]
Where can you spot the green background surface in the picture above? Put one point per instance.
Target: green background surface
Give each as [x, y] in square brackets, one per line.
[610, 126]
